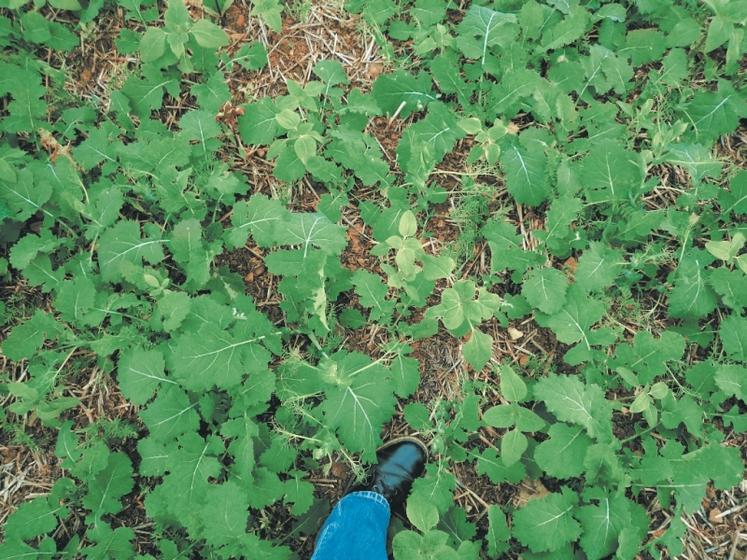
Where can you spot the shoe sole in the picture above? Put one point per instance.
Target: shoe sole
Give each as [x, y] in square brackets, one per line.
[403, 439]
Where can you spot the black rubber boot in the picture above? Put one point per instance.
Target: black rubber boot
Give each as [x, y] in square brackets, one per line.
[400, 462]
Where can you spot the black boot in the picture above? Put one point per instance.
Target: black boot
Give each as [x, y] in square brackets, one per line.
[400, 462]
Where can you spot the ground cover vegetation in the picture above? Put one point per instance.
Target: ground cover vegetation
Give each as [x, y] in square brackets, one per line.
[234, 261]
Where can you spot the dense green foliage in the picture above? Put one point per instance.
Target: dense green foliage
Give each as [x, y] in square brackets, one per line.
[603, 119]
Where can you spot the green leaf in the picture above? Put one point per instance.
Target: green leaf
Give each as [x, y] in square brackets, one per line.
[513, 445]
[402, 94]
[32, 519]
[490, 465]
[405, 375]
[75, 298]
[122, 250]
[140, 372]
[146, 93]
[331, 73]
[309, 230]
[513, 387]
[545, 288]
[526, 172]
[258, 124]
[173, 308]
[421, 513]
[562, 456]
[598, 267]
[424, 144]
[732, 380]
[152, 44]
[170, 414]
[260, 216]
[733, 333]
[212, 356]
[25, 197]
[602, 524]
[209, 35]
[696, 159]
[359, 400]
[566, 31]
[611, 173]
[109, 486]
[547, 524]
[506, 250]
[498, 531]
[224, 514]
[478, 349]
[713, 113]
[691, 296]
[25, 339]
[372, 294]
[573, 322]
[482, 29]
[572, 401]
[647, 356]
[270, 12]
[200, 126]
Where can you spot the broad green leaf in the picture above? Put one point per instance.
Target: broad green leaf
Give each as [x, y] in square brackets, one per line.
[478, 349]
[513, 445]
[611, 173]
[140, 372]
[122, 250]
[26, 338]
[602, 524]
[570, 400]
[562, 456]
[713, 113]
[513, 387]
[482, 29]
[372, 294]
[213, 356]
[573, 322]
[647, 356]
[566, 31]
[696, 159]
[402, 94]
[224, 514]
[32, 518]
[359, 400]
[598, 267]
[152, 44]
[421, 512]
[691, 296]
[107, 488]
[506, 249]
[24, 197]
[309, 230]
[170, 414]
[545, 288]
[260, 216]
[258, 124]
[547, 524]
[200, 126]
[732, 380]
[498, 531]
[208, 35]
[405, 375]
[733, 333]
[526, 172]
[425, 143]
[146, 94]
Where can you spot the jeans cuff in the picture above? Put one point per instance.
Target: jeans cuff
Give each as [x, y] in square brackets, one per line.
[369, 495]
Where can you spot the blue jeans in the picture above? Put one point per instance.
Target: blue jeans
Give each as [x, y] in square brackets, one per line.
[355, 530]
